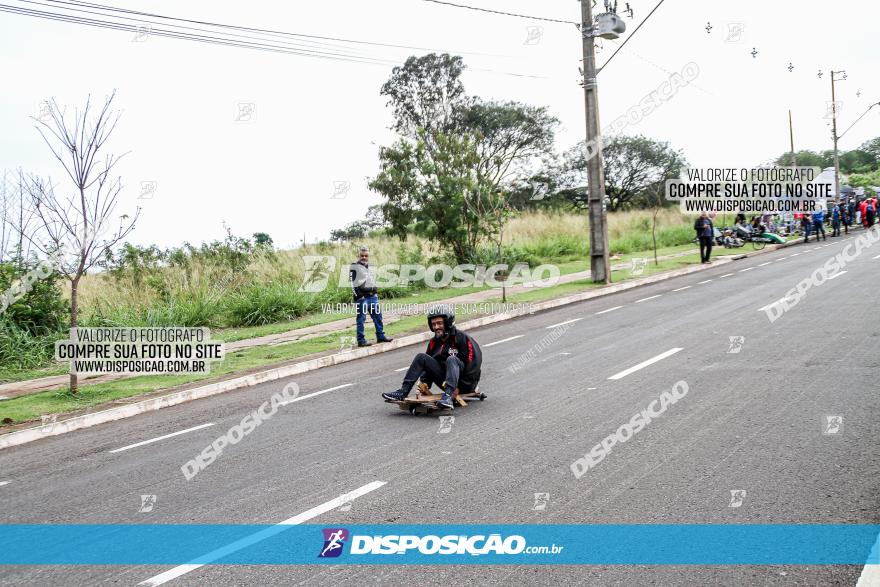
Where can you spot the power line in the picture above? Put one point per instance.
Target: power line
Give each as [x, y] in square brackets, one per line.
[273, 45]
[276, 47]
[630, 36]
[251, 29]
[502, 13]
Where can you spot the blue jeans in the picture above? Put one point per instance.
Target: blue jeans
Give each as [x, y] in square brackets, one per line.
[369, 305]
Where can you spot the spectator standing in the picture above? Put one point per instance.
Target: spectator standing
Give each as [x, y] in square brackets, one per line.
[835, 220]
[819, 223]
[807, 226]
[366, 297]
[705, 233]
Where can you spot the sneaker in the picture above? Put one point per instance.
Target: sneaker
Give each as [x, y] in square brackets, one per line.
[365, 343]
[396, 396]
[386, 339]
[446, 401]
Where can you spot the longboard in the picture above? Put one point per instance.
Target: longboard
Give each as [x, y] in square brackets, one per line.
[426, 403]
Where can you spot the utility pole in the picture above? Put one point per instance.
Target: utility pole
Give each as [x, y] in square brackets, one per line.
[791, 137]
[834, 134]
[600, 266]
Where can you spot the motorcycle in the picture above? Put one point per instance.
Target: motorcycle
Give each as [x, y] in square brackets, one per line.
[758, 237]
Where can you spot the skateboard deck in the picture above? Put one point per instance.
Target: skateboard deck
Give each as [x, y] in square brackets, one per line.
[426, 403]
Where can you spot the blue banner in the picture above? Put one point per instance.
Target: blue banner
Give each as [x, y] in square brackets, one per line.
[650, 544]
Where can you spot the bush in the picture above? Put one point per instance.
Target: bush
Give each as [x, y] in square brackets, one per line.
[20, 349]
[39, 312]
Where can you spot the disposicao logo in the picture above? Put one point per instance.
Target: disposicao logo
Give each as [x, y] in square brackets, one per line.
[334, 540]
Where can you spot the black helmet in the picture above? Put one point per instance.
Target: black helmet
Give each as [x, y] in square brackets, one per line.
[448, 313]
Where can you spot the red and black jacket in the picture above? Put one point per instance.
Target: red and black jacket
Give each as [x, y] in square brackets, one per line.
[465, 348]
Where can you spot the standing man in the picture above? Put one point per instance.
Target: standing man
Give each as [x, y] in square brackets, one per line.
[819, 223]
[366, 298]
[870, 211]
[705, 232]
[835, 219]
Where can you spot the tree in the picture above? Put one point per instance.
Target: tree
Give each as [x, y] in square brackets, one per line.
[633, 165]
[360, 228]
[425, 93]
[453, 142]
[77, 228]
[807, 159]
[263, 241]
[436, 192]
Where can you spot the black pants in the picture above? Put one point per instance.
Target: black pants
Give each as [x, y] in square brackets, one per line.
[705, 248]
[431, 371]
[819, 227]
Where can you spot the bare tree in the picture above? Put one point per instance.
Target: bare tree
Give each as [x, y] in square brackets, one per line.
[76, 229]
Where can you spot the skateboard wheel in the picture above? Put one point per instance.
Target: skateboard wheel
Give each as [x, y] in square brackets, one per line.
[412, 411]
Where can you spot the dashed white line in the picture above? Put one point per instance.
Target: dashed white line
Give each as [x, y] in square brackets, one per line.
[648, 298]
[746, 269]
[702, 282]
[725, 275]
[795, 254]
[644, 364]
[836, 275]
[152, 440]
[564, 323]
[302, 397]
[682, 288]
[307, 515]
[401, 369]
[782, 258]
[503, 340]
[609, 310]
[767, 263]
[877, 257]
[2, 483]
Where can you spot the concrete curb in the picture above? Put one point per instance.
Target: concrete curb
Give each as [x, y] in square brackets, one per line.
[173, 399]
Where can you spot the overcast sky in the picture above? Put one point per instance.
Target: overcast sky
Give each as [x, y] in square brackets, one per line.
[316, 123]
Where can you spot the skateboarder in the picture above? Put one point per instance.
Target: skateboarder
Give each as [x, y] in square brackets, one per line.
[452, 356]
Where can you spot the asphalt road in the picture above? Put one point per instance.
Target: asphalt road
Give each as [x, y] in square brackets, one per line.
[752, 420]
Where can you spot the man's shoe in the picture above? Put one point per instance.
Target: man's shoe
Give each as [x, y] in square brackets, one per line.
[396, 396]
[386, 339]
[365, 343]
[446, 401]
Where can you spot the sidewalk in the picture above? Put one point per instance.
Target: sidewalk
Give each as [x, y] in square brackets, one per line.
[31, 386]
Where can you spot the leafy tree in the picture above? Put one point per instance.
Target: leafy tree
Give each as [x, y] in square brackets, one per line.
[634, 166]
[425, 93]
[807, 159]
[374, 220]
[263, 241]
[437, 192]
[453, 146]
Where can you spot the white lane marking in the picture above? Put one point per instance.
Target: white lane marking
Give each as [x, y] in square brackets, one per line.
[590, 388]
[877, 257]
[702, 282]
[682, 288]
[307, 515]
[644, 364]
[870, 576]
[401, 369]
[648, 298]
[725, 275]
[564, 323]
[795, 254]
[503, 340]
[2, 483]
[782, 258]
[609, 310]
[746, 269]
[152, 440]
[302, 397]
[779, 301]
[762, 264]
[836, 275]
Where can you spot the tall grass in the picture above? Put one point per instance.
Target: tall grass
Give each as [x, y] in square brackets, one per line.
[202, 292]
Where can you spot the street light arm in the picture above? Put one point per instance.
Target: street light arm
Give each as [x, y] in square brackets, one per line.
[858, 119]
